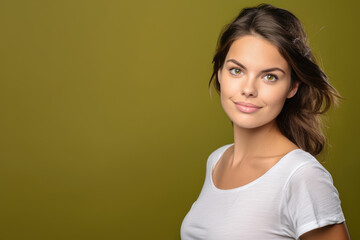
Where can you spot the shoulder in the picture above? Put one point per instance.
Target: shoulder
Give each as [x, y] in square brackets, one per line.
[307, 174]
[311, 200]
[305, 167]
[300, 157]
[215, 155]
[301, 164]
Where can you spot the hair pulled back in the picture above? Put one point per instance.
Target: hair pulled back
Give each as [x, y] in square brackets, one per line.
[299, 119]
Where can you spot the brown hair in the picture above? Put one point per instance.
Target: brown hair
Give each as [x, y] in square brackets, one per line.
[299, 119]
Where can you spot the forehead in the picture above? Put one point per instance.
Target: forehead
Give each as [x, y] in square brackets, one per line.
[256, 52]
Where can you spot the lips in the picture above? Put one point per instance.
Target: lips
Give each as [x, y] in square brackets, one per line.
[247, 107]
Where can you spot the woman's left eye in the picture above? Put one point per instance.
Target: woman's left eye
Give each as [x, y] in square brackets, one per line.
[270, 77]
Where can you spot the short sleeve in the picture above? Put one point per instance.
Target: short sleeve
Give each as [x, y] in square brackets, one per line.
[312, 200]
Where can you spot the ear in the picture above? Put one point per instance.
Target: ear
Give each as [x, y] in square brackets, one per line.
[294, 89]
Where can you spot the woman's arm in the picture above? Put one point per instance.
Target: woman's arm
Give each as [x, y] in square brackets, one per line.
[331, 232]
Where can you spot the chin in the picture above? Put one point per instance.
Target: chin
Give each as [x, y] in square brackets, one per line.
[248, 126]
[253, 124]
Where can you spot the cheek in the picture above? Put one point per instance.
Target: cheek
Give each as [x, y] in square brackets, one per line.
[229, 88]
[275, 97]
[226, 94]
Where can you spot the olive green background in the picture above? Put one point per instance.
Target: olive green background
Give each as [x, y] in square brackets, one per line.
[106, 120]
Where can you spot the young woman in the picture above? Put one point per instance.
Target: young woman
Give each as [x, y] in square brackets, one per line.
[267, 184]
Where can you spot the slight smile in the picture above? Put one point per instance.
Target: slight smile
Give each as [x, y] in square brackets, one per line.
[246, 107]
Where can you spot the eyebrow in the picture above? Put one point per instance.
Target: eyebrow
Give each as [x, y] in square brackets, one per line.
[263, 71]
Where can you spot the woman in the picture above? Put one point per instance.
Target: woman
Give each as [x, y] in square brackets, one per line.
[267, 184]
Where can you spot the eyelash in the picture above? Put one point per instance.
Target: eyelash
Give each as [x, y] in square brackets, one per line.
[271, 75]
[231, 71]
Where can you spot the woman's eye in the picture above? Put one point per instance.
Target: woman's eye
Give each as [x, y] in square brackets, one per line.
[235, 71]
[270, 77]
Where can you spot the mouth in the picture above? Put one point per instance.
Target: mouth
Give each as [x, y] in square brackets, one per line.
[246, 107]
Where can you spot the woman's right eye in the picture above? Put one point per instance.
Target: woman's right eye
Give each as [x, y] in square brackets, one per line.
[235, 71]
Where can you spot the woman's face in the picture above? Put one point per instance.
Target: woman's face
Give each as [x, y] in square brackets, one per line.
[255, 81]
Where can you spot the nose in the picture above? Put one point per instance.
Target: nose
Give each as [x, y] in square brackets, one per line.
[248, 88]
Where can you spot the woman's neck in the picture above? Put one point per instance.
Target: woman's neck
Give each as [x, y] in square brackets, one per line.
[265, 141]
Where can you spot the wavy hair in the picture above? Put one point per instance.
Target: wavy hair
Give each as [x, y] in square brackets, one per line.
[299, 119]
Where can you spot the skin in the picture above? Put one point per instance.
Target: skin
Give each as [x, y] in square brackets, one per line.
[254, 72]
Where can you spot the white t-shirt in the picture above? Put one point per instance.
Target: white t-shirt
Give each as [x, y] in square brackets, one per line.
[295, 196]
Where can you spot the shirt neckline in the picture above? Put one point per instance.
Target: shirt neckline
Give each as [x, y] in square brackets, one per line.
[250, 183]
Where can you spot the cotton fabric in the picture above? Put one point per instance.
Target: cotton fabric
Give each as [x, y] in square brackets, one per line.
[295, 196]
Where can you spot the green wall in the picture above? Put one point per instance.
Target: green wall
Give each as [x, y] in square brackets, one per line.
[106, 121]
